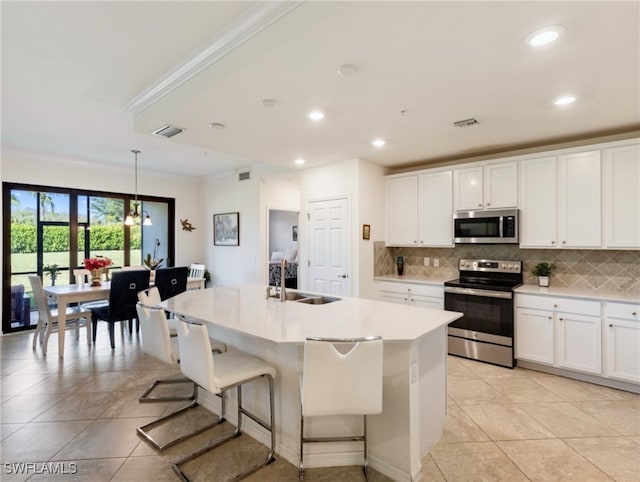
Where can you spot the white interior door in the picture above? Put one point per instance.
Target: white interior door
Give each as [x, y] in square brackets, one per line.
[329, 247]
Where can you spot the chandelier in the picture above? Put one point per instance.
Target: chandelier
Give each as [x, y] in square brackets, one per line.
[134, 216]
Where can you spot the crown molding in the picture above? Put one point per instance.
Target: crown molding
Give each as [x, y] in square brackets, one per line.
[245, 26]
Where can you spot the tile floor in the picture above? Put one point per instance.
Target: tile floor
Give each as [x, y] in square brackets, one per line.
[502, 425]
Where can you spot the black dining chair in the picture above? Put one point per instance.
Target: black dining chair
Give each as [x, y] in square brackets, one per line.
[123, 296]
[171, 281]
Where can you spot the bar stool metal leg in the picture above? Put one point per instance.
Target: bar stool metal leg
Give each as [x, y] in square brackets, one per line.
[237, 432]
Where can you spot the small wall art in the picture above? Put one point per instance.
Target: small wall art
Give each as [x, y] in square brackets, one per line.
[366, 231]
[226, 229]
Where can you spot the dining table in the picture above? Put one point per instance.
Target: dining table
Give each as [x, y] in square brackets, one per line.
[66, 295]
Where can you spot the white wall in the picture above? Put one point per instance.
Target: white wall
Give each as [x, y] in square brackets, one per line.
[280, 230]
[372, 212]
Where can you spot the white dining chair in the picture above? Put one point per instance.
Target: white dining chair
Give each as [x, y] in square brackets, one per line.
[82, 276]
[340, 377]
[76, 316]
[217, 375]
[196, 271]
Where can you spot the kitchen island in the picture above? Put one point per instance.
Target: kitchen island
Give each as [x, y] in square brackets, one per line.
[414, 388]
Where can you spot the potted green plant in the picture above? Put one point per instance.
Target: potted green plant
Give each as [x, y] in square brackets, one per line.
[52, 270]
[543, 271]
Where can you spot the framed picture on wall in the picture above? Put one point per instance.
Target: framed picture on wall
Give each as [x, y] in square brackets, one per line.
[226, 229]
[366, 231]
[295, 232]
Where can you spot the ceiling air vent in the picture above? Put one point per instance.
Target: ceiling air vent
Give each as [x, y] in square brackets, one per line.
[167, 131]
[466, 122]
[244, 176]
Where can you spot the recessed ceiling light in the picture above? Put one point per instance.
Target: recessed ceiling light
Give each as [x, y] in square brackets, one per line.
[216, 125]
[565, 100]
[299, 162]
[347, 69]
[269, 103]
[378, 142]
[544, 36]
[316, 115]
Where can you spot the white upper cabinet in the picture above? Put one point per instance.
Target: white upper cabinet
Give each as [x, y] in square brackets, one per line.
[538, 186]
[621, 197]
[560, 199]
[420, 210]
[493, 186]
[402, 211]
[436, 209]
[579, 200]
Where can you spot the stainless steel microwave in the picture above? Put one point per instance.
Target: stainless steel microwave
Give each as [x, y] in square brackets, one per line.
[486, 227]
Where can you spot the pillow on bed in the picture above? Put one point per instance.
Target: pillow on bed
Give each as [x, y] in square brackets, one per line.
[291, 255]
[277, 255]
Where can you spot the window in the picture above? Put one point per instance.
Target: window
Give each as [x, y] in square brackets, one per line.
[48, 227]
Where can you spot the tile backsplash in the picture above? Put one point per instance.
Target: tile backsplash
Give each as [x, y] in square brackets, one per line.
[579, 268]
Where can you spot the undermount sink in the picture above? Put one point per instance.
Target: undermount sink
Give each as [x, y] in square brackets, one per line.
[317, 300]
[306, 298]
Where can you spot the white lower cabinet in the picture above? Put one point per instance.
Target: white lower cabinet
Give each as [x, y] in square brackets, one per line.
[415, 294]
[562, 332]
[622, 341]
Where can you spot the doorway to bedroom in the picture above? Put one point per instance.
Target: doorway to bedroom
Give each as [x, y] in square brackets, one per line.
[283, 245]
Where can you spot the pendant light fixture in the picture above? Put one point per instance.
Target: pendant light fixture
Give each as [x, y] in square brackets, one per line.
[133, 215]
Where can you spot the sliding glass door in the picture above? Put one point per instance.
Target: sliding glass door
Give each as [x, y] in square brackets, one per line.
[50, 231]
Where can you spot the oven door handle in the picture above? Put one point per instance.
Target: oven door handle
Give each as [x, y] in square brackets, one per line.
[507, 295]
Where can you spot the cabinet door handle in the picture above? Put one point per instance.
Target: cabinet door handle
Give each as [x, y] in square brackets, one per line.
[549, 317]
[610, 325]
[564, 242]
[488, 204]
[480, 205]
[561, 319]
[553, 242]
[634, 313]
[555, 306]
[405, 299]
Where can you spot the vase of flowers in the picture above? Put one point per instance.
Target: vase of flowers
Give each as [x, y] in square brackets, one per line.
[96, 265]
[153, 262]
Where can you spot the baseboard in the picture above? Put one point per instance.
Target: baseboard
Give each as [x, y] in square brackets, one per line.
[583, 377]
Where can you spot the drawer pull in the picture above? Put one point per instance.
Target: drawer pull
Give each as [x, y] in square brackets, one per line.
[561, 319]
[549, 317]
[555, 306]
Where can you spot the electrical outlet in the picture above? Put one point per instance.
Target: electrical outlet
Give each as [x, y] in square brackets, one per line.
[425, 260]
[436, 262]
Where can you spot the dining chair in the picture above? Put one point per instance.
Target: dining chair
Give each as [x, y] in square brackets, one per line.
[171, 281]
[76, 316]
[82, 276]
[217, 375]
[340, 377]
[123, 296]
[196, 270]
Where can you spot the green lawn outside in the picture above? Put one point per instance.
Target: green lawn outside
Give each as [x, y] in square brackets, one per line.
[26, 262]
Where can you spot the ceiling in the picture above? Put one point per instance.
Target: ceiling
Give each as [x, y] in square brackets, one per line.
[69, 69]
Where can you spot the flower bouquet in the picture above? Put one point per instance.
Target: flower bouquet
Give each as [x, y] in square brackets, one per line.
[96, 265]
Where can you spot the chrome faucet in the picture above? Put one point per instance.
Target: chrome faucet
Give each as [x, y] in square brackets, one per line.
[283, 293]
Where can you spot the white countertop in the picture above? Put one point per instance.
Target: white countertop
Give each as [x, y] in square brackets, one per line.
[587, 293]
[245, 309]
[413, 279]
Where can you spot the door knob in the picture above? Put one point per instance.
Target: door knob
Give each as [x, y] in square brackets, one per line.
[343, 275]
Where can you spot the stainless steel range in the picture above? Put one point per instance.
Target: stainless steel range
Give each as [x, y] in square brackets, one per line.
[484, 294]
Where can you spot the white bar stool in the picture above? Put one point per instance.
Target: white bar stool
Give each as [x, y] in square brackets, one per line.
[157, 342]
[340, 382]
[217, 375]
